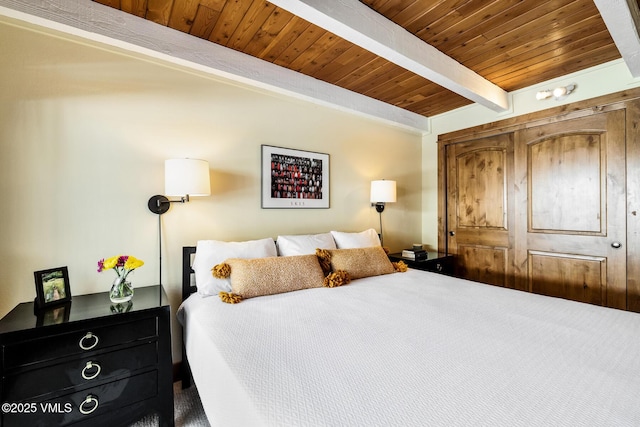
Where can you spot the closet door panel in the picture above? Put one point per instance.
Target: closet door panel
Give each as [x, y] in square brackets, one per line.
[575, 238]
[482, 188]
[486, 264]
[567, 182]
[479, 221]
[578, 278]
[633, 206]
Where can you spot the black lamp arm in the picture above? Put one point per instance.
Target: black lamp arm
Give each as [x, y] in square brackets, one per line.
[379, 208]
[159, 204]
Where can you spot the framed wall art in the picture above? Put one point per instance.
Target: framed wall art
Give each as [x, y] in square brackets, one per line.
[294, 179]
[52, 287]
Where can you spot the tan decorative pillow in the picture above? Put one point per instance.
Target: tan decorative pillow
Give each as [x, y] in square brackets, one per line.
[361, 262]
[274, 275]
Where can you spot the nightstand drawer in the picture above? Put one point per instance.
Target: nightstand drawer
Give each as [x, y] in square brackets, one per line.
[47, 369]
[87, 404]
[78, 342]
[36, 383]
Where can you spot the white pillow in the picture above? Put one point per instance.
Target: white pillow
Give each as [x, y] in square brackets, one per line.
[304, 244]
[363, 239]
[212, 252]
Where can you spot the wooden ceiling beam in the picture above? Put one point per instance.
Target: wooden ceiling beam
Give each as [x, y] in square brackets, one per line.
[357, 23]
[622, 18]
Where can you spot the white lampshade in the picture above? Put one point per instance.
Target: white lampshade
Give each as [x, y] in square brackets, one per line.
[383, 191]
[186, 177]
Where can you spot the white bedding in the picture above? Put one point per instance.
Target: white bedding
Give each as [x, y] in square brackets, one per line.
[413, 349]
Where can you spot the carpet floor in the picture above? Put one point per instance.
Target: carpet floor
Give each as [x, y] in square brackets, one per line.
[188, 410]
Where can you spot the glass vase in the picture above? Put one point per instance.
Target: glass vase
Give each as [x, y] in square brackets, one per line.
[121, 291]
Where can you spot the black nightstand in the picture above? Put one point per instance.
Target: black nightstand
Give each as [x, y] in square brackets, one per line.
[88, 363]
[435, 262]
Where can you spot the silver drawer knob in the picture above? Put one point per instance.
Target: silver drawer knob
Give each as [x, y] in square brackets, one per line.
[91, 366]
[88, 341]
[88, 405]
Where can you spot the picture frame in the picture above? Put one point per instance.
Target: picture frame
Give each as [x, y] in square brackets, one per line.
[294, 179]
[52, 287]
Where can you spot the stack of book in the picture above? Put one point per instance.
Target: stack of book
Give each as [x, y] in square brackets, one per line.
[414, 254]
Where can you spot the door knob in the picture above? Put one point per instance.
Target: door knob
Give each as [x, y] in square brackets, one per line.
[452, 233]
[616, 245]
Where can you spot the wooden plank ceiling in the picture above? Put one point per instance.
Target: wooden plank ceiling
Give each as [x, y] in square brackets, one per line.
[511, 43]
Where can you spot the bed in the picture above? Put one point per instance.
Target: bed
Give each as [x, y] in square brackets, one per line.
[410, 349]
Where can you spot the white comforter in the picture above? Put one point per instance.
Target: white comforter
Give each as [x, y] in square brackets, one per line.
[413, 349]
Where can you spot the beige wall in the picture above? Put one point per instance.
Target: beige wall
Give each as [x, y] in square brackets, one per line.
[84, 132]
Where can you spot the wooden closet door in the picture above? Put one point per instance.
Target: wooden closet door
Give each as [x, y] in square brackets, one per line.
[570, 202]
[480, 208]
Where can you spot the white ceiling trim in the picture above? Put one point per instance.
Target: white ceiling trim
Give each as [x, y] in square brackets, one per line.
[96, 22]
[622, 19]
[357, 23]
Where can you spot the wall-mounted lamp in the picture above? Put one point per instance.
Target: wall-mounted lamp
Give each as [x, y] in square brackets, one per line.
[183, 178]
[382, 192]
[558, 93]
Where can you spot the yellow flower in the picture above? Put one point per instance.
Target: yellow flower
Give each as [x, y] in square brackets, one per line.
[133, 263]
[110, 262]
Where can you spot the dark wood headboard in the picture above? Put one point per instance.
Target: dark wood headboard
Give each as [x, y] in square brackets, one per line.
[187, 289]
[187, 271]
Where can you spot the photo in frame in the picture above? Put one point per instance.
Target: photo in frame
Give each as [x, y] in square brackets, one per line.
[294, 179]
[52, 287]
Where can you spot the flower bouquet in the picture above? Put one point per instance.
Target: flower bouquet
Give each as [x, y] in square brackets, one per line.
[121, 290]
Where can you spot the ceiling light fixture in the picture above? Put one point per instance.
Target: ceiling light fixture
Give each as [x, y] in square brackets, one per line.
[543, 94]
[559, 93]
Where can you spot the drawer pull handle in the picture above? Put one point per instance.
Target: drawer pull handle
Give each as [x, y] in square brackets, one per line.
[88, 405]
[88, 336]
[88, 367]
